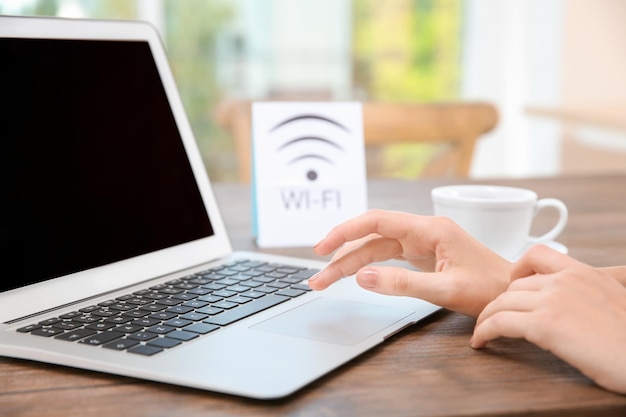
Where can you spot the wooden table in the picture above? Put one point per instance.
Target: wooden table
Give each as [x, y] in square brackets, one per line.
[427, 370]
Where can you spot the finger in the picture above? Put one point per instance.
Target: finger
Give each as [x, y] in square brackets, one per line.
[391, 280]
[512, 324]
[520, 301]
[373, 250]
[432, 287]
[350, 246]
[540, 259]
[385, 223]
[448, 288]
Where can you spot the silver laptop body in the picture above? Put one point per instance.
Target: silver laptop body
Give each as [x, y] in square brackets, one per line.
[106, 199]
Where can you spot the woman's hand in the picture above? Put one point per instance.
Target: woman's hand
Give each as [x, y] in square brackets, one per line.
[456, 271]
[569, 308]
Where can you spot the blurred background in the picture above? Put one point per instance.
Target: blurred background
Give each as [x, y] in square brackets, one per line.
[555, 69]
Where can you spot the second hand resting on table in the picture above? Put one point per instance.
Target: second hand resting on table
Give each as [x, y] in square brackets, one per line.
[552, 300]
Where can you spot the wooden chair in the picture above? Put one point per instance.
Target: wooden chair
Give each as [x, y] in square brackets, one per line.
[457, 125]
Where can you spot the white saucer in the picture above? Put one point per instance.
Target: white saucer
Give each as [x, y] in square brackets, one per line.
[551, 244]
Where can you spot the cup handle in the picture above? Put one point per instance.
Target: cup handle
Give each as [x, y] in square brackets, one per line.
[560, 225]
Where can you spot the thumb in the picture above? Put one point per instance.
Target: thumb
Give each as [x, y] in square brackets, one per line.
[391, 280]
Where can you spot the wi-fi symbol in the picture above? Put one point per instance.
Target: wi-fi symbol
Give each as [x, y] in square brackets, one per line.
[306, 154]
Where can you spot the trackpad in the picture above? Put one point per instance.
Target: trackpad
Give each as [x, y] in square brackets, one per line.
[336, 321]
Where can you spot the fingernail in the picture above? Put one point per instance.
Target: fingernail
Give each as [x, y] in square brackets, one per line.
[368, 278]
[473, 345]
[314, 277]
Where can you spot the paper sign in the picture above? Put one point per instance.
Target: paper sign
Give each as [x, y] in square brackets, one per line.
[308, 169]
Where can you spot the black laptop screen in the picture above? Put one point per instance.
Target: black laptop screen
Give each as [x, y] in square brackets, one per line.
[92, 167]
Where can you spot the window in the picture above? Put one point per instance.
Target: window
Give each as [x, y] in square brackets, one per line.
[392, 50]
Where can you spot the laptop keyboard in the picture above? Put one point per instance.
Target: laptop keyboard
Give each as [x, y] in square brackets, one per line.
[164, 316]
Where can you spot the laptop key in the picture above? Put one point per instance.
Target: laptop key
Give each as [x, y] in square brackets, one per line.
[155, 296]
[280, 285]
[76, 335]
[117, 320]
[160, 329]
[128, 328]
[105, 313]
[202, 328]
[290, 292]
[227, 281]
[246, 310]
[86, 319]
[199, 291]
[186, 285]
[122, 306]
[211, 311]
[179, 322]
[185, 296]
[199, 281]
[70, 315]
[125, 297]
[169, 302]
[146, 321]
[182, 335]
[288, 270]
[29, 328]
[135, 314]
[49, 322]
[145, 350]
[195, 304]
[237, 288]
[101, 338]
[291, 280]
[225, 305]
[275, 275]
[179, 309]
[210, 298]
[302, 287]
[264, 280]
[66, 325]
[142, 336]
[239, 299]
[224, 293]
[306, 274]
[213, 287]
[121, 344]
[100, 326]
[253, 294]
[138, 301]
[170, 291]
[194, 316]
[153, 307]
[266, 290]
[164, 342]
[47, 332]
[163, 315]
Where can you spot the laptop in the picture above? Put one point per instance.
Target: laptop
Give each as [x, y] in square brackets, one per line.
[114, 253]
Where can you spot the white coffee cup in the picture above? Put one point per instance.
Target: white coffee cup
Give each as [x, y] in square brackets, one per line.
[499, 217]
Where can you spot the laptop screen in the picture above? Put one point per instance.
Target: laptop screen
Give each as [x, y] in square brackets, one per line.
[92, 166]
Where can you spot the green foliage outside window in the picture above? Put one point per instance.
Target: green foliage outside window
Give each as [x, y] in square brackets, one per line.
[407, 51]
[191, 27]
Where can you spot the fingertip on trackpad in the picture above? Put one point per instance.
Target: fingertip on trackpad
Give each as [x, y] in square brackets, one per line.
[332, 320]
